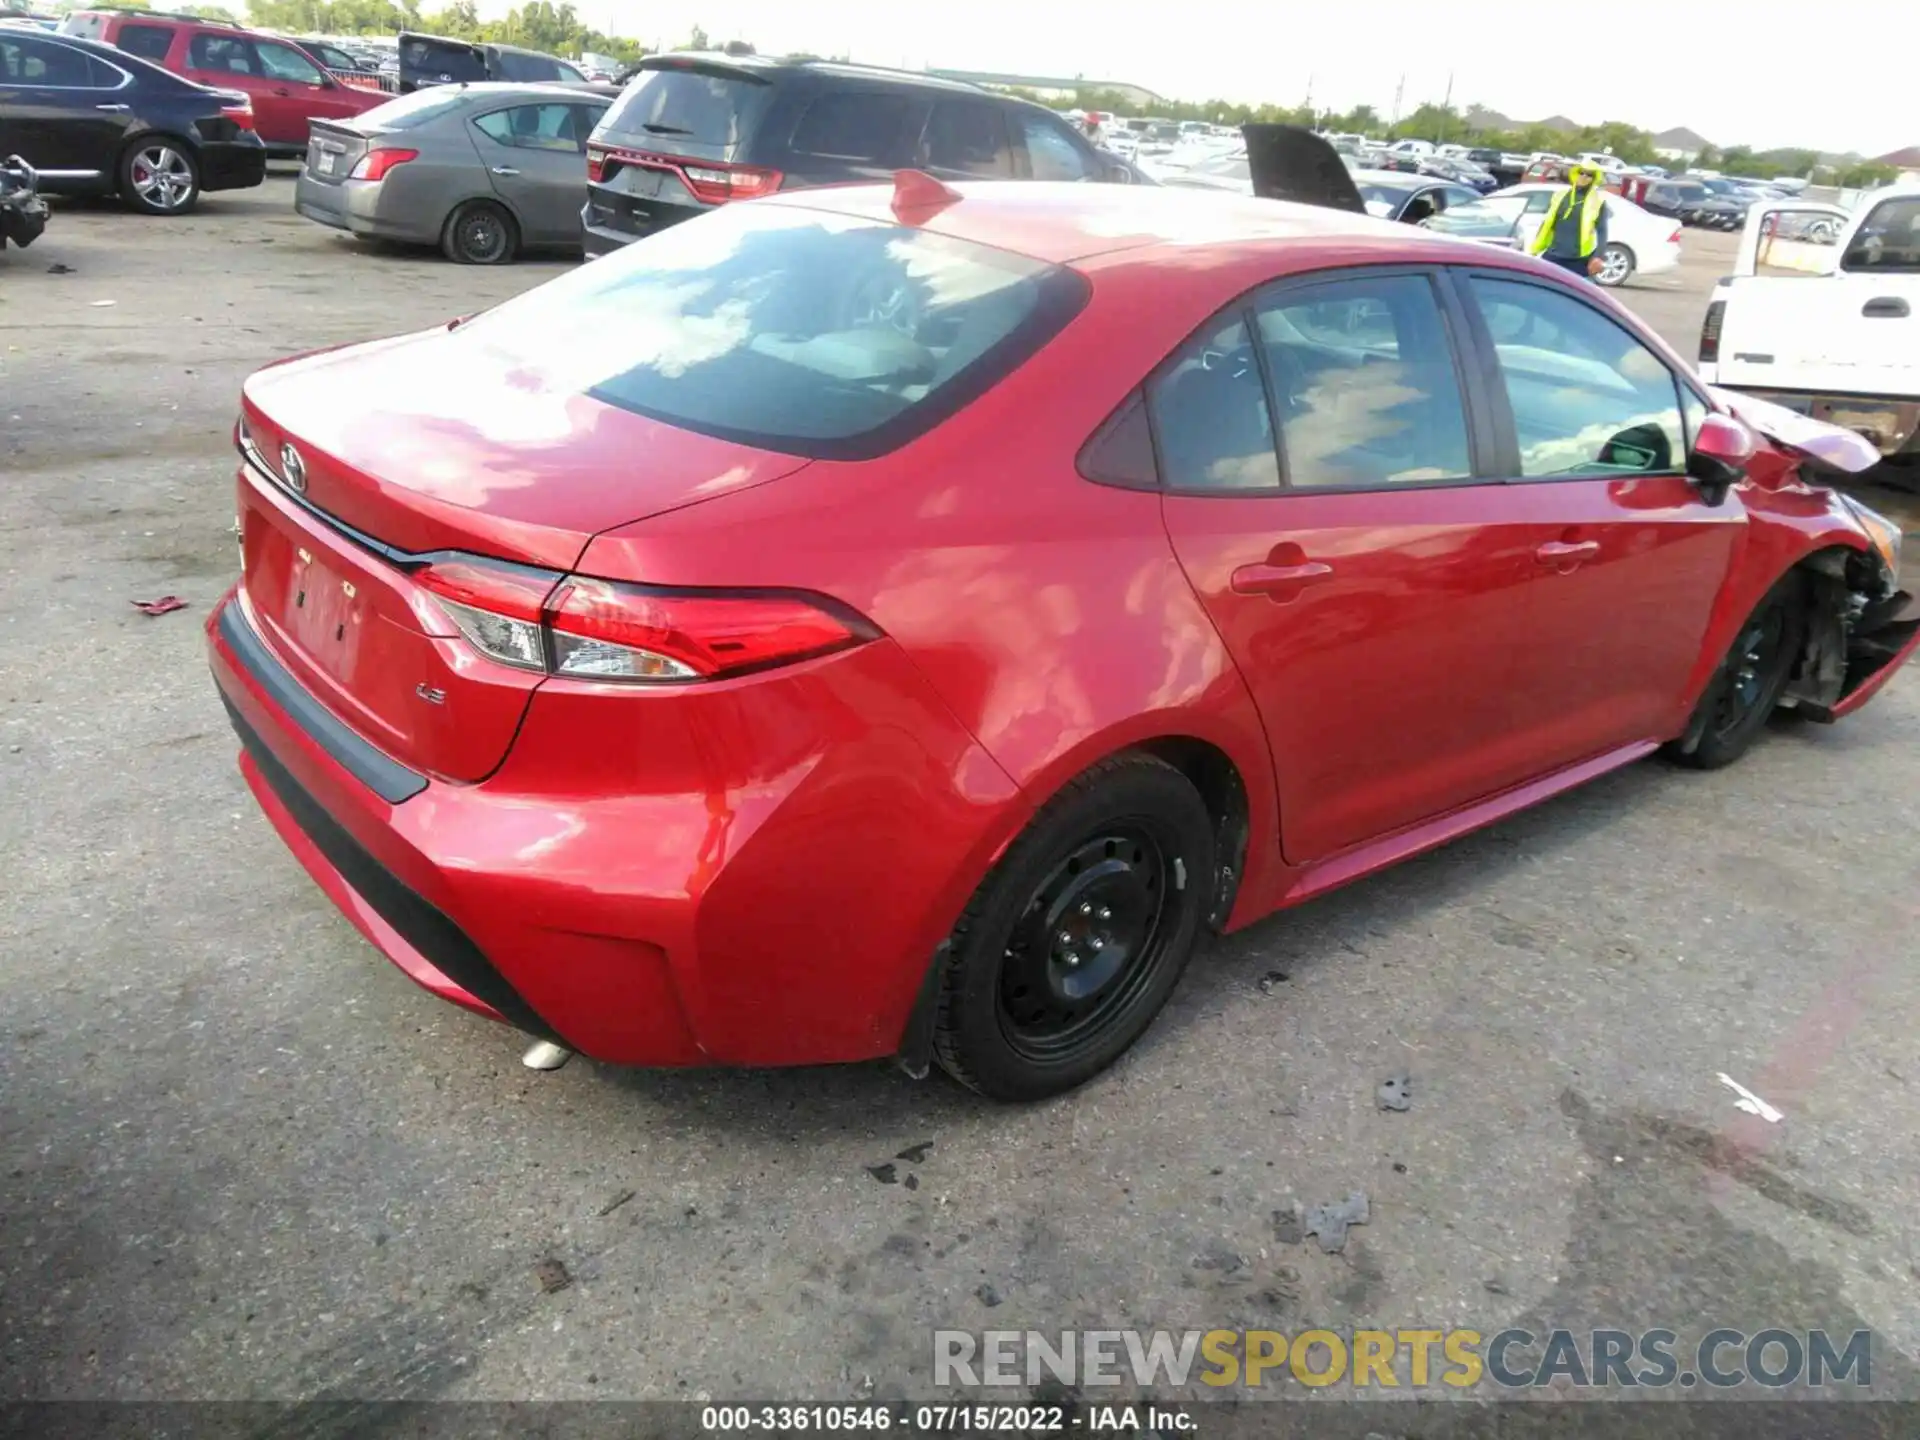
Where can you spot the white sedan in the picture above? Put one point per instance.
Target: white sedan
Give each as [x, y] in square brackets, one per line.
[1638, 241]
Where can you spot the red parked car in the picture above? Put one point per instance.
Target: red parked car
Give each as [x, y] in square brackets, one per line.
[898, 622]
[287, 87]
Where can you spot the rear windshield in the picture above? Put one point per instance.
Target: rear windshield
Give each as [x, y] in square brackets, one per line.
[696, 105]
[445, 62]
[406, 111]
[792, 330]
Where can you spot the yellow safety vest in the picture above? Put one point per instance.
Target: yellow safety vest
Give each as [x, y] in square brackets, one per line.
[1589, 219]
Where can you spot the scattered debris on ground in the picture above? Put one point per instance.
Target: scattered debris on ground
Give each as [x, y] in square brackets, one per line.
[552, 1275]
[1329, 1223]
[1750, 1102]
[1289, 1225]
[165, 605]
[987, 1295]
[1495, 1286]
[1395, 1092]
[887, 1174]
[614, 1204]
[1271, 979]
[58, 268]
[1220, 1256]
[915, 1154]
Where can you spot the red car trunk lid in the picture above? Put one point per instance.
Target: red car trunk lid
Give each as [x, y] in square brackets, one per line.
[367, 457]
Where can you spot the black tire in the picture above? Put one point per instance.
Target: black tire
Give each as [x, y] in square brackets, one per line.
[160, 175]
[1618, 262]
[1029, 1004]
[480, 232]
[1748, 684]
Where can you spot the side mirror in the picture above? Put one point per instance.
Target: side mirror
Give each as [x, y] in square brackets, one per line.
[1719, 458]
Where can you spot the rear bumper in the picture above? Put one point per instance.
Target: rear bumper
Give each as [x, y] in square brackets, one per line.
[229, 165]
[362, 207]
[610, 220]
[716, 896]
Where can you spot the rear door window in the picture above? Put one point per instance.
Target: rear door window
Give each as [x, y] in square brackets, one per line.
[789, 329]
[673, 108]
[1051, 153]
[532, 127]
[1365, 384]
[222, 52]
[968, 137]
[1210, 416]
[527, 69]
[1889, 238]
[26, 61]
[859, 125]
[149, 42]
[283, 62]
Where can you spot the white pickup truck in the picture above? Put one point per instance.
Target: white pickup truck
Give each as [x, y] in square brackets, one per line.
[1822, 314]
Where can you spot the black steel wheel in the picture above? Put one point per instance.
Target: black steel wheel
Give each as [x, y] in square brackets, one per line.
[1750, 680]
[1074, 941]
[480, 233]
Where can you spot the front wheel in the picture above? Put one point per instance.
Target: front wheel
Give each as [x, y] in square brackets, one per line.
[1078, 935]
[480, 233]
[159, 177]
[1616, 265]
[1750, 680]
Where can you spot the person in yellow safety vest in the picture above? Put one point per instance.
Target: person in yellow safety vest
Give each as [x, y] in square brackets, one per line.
[1575, 229]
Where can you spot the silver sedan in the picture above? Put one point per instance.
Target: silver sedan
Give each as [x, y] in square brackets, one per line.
[484, 171]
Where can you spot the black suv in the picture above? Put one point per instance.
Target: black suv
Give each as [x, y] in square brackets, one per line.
[692, 131]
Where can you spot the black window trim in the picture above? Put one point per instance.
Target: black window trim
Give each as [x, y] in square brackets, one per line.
[1483, 451]
[126, 77]
[1493, 382]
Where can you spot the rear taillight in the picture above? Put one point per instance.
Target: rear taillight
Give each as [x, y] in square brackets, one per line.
[1710, 332]
[604, 630]
[241, 114]
[716, 184]
[596, 163]
[375, 164]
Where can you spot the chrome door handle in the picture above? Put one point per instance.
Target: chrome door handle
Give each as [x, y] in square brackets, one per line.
[109, 107]
[505, 170]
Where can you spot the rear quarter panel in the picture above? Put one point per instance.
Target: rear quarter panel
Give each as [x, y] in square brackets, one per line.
[1048, 613]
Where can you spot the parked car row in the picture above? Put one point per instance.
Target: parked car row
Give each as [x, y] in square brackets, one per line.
[162, 107]
[93, 119]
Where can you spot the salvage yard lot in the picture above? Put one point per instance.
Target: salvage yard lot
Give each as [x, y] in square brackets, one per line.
[240, 1155]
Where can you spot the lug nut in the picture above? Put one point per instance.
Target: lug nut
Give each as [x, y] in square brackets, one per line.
[1065, 937]
[1085, 908]
[1105, 913]
[1098, 943]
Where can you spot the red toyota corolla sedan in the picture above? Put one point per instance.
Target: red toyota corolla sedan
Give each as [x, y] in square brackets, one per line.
[898, 622]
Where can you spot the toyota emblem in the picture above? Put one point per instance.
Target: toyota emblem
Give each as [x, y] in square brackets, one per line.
[293, 469]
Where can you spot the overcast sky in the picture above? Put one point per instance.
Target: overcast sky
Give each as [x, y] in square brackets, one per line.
[1842, 79]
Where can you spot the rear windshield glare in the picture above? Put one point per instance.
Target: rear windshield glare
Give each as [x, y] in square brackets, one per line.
[672, 106]
[787, 329]
[407, 111]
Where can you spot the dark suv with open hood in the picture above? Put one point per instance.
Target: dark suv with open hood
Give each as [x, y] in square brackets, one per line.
[692, 131]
